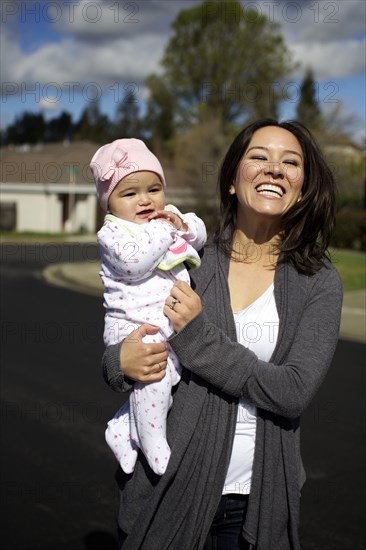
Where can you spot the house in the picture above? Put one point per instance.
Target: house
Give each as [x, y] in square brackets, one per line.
[48, 188]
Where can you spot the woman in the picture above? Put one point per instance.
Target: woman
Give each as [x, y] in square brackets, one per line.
[255, 334]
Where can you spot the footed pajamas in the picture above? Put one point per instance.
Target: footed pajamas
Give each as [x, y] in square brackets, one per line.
[139, 264]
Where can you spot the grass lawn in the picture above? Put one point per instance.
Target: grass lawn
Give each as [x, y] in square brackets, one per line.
[30, 236]
[351, 267]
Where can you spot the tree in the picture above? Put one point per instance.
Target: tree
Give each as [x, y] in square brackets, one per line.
[27, 128]
[308, 111]
[339, 121]
[60, 128]
[159, 119]
[127, 119]
[93, 125]
[224, 62]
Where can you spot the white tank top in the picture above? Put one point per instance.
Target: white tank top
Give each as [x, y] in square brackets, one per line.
[256, 329]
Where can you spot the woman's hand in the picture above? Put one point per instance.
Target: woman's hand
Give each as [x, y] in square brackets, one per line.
[143, 362]
[170, 217]
[182, 305]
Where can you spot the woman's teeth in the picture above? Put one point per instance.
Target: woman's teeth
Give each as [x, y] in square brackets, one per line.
[269, 189]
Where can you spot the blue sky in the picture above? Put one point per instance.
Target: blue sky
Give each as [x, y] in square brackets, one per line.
[59, 55]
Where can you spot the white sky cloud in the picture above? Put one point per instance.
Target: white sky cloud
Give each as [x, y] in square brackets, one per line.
[69, 61]
[331, 60]
[326, 21]
[51, 104]
[129, 43]
[126, 43]
[324, 35]
[108, 19]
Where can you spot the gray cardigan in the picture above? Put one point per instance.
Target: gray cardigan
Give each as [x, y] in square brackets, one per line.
[175, 511]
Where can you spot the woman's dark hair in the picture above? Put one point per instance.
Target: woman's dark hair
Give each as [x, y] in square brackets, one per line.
[308, 225]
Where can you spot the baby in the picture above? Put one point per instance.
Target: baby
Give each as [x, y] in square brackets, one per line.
[143, 246]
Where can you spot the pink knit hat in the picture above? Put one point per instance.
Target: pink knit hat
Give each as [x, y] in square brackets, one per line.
[118, 159]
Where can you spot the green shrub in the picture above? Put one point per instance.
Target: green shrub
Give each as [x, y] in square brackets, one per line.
[350, 201]
[350, 230]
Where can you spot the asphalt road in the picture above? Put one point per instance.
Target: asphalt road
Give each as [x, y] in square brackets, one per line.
[57, 475]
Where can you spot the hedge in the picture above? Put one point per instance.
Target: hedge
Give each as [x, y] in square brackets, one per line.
[350, 230]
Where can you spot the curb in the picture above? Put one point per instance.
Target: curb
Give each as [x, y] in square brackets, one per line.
[79, 276]
[84, 277]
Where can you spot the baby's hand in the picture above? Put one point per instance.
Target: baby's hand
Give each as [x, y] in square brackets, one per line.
[169, 217]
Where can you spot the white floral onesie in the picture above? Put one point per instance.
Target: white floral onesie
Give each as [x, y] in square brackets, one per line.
[139, 264]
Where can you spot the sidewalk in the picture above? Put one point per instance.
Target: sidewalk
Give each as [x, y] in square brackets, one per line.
[353, 323]
[84, 277]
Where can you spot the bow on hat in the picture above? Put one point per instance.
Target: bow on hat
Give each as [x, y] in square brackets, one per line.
[119, 160]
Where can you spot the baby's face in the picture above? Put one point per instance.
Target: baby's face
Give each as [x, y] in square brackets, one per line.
[137, 196]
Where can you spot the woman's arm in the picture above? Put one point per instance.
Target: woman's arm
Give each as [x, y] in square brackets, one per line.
[112, 372]
[132, 360]
[285, 389]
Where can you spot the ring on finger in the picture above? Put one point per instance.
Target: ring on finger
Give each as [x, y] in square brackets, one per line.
[173, 303]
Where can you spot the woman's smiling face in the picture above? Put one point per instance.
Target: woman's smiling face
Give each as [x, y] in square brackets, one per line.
[270, 175]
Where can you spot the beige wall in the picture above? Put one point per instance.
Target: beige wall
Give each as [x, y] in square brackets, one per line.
[42, 212]
[84, 214]
[35, 212]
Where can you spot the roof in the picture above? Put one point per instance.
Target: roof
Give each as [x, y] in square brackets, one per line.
[51, 164]
[59, 163]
